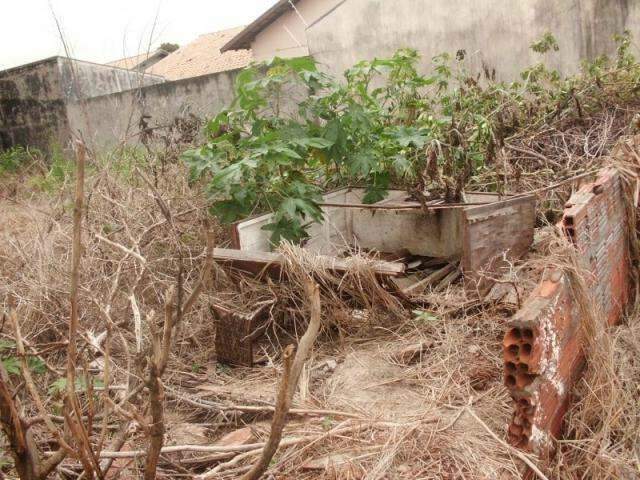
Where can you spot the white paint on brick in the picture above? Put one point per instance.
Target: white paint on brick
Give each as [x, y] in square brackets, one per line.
[549, 338]
[539, 438]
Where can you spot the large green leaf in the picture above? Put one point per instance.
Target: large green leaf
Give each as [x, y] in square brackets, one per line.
[378, 189]
[362, 163]
[286, 151]
[229, 211]
[410, 136]
[302, 64]
[401, 164]
[301, 207]
[313, 142]
[228, 176]
[287, 229]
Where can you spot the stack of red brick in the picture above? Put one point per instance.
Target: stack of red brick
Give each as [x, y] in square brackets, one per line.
[543, 348]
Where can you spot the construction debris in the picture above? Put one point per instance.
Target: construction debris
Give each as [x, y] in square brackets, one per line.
[474, 241]
[258, 263]
[545, 348]
[416, 372]
[485, 235]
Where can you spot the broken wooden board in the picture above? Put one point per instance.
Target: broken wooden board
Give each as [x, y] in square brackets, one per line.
[258, 263]
[485, 236]
[433, 278]
[494, 235]
[236, 333]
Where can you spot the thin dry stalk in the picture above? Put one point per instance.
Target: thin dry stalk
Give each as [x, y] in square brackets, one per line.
[76, 425]
[156, 393]
[21, 443]
[283, 403]
[161, 347]
[513, 450]
[289, 383]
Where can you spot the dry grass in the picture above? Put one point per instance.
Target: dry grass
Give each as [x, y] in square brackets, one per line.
[540, 155]
[404, 412]
[387, 394]
[409, 388]
[603, 426]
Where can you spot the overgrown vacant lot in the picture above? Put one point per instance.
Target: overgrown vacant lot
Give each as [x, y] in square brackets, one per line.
[107, 343]
[393, 383]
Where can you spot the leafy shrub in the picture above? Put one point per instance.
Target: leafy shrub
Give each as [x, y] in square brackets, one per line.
[60, 171]
[15, 158]
[11, 363]
[383, 125]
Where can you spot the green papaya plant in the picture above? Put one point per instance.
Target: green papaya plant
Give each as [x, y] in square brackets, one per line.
[293, 131]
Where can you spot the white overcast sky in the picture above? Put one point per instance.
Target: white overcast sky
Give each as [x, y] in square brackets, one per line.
[104, 30]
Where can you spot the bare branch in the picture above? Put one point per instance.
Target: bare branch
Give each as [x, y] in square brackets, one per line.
[76, 426]
[289, 383]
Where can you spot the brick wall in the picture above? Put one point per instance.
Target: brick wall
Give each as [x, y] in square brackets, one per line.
[543, 355]
[595, 222]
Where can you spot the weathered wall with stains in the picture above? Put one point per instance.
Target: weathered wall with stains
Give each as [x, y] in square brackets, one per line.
[34, 98]
[32, 106]
[496, 33]
[543, 349]
[109, 119]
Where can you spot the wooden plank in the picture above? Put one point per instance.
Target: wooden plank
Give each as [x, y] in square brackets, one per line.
[258, 263]
[432, 278]
[401, 206]
[494, 234]
[235, 332]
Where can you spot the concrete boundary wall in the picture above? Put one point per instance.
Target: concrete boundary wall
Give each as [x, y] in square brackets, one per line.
[34, 98]
[543, 348]
[107, 120]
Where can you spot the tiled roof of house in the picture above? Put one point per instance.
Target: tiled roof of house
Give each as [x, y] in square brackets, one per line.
[202, 57]
[136, 61]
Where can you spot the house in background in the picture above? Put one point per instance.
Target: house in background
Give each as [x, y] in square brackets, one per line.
[198, 78]
[140, 62]
[203, 56]
[496, 34]
[282, 30]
